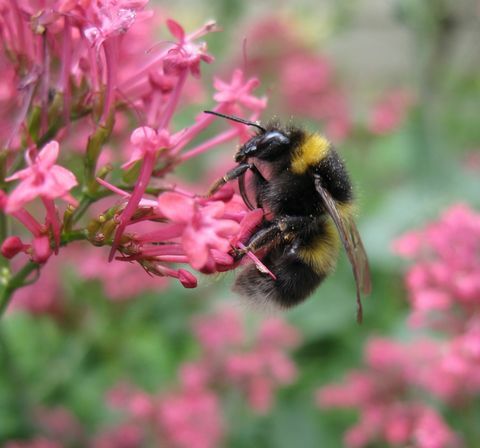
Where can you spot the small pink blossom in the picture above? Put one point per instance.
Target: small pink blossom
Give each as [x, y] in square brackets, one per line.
[204, 228]
[238, 92]
[114, 18]
[12, 245]
[186, 55]
[389, 112]
[43, 178]
[191, 419]
[219, 331]
[146, 140]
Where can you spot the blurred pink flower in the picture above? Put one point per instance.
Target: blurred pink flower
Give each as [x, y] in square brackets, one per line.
[190, 414]
[444, 282]
[308, 87]
[219, 331]
[191, 419]
[38, 442]
[257, 370]
[120, 282]
[390, 111]
[126, 435]
[45, 296]
[384, 392]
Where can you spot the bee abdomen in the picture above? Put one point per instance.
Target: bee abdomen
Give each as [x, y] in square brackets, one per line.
[295, 281]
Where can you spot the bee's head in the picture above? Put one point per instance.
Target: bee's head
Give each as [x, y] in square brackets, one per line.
[267, 145]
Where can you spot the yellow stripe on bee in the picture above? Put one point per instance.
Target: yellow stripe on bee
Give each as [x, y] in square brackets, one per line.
[347, 210]
[310, 152]
[322, 254]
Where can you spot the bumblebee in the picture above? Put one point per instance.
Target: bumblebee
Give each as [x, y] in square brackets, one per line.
[309, 207]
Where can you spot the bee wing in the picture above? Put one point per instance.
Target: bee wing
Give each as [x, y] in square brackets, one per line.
[352, 243]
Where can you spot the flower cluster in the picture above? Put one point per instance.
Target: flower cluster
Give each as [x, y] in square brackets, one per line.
[86, 85]
[386, 394]
[190, 414]
[444, 293]
[305, 80]
[444, 283]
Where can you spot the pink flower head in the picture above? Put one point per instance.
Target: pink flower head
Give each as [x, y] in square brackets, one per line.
[219, 331]
[113, 18]
[187, 54]
[446, 272]
[238, 91]
[146, 140]
[191, 419]
[42, 178]
[205, 228]
[389, 112]
[275, 332]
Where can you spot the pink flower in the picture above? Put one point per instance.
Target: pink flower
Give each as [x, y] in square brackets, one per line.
[120, 282]
[219, 331]
[191, 419]
[187, 54]
[147, 145]
[146, 140]
[238, 92]
[309, 90]
[205, 228]
[127, 435]
[43, 178]
[389, 112]
[112, 19]
[409, 245]
[432, 432]
[385, 395]
[443, 283]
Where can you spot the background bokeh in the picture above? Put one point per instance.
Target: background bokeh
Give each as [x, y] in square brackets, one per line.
[396, 86]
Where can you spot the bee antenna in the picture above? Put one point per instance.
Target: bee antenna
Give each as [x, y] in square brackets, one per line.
[237, 119]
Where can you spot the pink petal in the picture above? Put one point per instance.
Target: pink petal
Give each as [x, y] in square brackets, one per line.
[24, 193]
[41, 249]
[48, 155]
[195, 248]
[176, 207]
[22, 174]
[187, 279]
[63, 178]
[176, 29]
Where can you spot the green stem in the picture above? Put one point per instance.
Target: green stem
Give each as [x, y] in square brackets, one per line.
[74, 235]
[15, 282]
[85, 202]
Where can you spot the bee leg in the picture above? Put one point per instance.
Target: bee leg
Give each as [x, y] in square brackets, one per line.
[265, 237]
[231, 175]
[260, 183]
[283, 228]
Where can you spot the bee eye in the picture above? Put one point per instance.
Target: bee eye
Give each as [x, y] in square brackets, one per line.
[274, 138]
